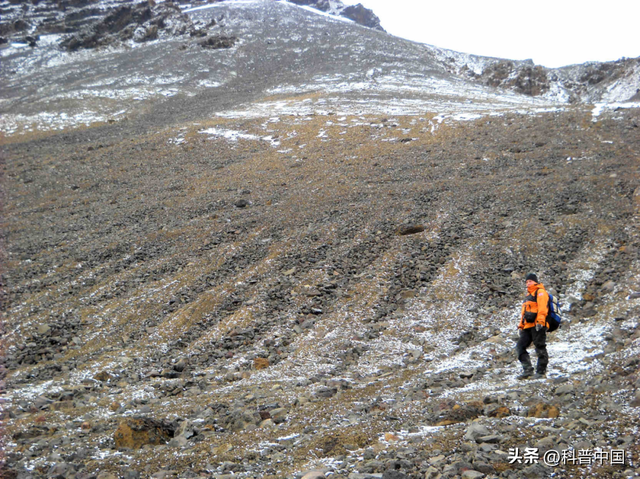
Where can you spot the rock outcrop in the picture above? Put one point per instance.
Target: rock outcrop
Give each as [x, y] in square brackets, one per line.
[139, 22]
[362, 16]
[589, 82]
[358, 13]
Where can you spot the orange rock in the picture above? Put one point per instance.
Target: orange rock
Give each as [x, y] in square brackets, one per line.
[543, 410]
[391, 437]
[102, 376]
[137, 432]
[261, 363]
[86, 426]
[502, 411]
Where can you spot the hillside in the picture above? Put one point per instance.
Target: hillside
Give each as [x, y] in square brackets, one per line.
[303, 248]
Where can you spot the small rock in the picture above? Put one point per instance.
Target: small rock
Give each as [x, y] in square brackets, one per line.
[499, 412]
[546, 443]
[564, 389]
[457, 468]
[405, 230]
[326, 392]
[43, 329]
[169, 373]
[186, 429]
[279, 415]
[470, 474]
[484, 467]
[314, 475]
[432, 473]
[179, 441]
[218, 41]
[103, 376]
[180, 365]
[536, 471]
[60, 469]
[42, 402]
[490, 439]
[260, 363]
[608, 287]
[267, 423]
[393, 474]
[241, 204]
[475, 431]
[543, 410]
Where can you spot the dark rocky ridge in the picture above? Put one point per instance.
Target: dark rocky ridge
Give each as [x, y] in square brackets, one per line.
[358, 13]
[139, 23]
[74, 17]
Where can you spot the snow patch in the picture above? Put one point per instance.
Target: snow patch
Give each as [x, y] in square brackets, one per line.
[234, 136]
[600, 108]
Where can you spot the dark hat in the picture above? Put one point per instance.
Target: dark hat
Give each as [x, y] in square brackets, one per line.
[531, 276]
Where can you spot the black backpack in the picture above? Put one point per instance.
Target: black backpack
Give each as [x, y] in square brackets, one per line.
[553, 316]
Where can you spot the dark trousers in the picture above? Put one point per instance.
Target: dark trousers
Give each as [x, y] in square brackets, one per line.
[539, 340]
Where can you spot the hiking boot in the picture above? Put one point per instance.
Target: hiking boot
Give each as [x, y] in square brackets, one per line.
[526, 375]
[539, 375]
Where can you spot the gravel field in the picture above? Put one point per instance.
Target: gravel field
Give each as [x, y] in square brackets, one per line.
[310, 274]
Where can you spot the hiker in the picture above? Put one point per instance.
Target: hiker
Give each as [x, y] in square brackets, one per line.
[533, 328]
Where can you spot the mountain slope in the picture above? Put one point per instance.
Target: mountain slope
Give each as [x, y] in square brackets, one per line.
[281, 50]
[307, 252]
[270, 50]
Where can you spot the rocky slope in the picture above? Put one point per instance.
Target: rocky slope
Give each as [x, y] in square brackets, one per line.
[308, 262]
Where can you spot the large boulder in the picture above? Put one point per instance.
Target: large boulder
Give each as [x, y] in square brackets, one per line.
[358, 13]
[133, 433]
[362, 16]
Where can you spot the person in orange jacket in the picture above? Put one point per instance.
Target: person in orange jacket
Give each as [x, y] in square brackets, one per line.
[533, 328]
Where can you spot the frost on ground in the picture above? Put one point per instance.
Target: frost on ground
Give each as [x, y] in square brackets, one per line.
[232, 258]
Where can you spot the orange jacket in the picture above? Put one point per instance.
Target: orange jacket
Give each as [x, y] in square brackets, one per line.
[536, 302]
